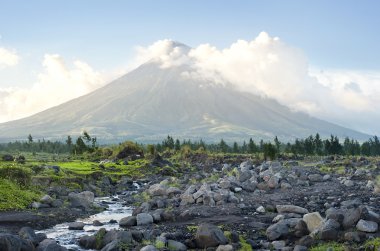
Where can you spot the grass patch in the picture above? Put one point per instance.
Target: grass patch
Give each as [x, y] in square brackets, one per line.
[329, 245]
[13, 196]
[373, 244]
[245, 246]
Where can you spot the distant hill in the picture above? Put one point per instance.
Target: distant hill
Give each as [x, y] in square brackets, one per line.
[149, 103]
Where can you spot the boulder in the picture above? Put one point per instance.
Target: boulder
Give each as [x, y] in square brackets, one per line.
[50, 245]
[225, 248]
[149, 248]
[83, 200]
[209, 235]
[313, 221]
[158, 190]
[291, 209]
[10, 242]
[277, 230]
[46, 199]
[329, 230]
[144, 219]
[315, 177]
[176, 246]
[76, 226]
[88, 242]
[367, 226]
[128, 221]
[28, 234]
[351, 217]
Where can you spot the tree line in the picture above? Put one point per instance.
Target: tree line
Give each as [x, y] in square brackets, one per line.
[312, 145]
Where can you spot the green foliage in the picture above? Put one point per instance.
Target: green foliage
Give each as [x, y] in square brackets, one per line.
[99, 238]
[372, 244]
[16, 173]
[12, 196]
[328, 246]
[244, 245]
[159, 244]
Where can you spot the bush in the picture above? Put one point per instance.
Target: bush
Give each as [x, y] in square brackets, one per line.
[20, 175]
[12, 196]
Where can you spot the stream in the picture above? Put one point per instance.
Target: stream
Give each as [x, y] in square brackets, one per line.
[70, 238]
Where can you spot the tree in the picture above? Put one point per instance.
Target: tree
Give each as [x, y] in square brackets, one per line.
[30, 139]
[318, 144]
[269, 151]
[277, 144]
[223, 146]
[177, 145]
[235, 148]
[252, 147]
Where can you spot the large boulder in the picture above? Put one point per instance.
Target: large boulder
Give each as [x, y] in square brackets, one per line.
[209, 235]
[144, 219]
[313, 221]
[10, 242]
[50, 245]
[128, 221]
[28, 234]
[88, 242]
[176, 246]
[84, 200]
[158, 190]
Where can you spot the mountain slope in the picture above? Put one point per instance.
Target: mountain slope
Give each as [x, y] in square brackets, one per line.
[150, 102]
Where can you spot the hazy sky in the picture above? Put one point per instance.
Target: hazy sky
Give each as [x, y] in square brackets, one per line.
[51, 51]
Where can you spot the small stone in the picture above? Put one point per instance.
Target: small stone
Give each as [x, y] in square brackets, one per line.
[291, 209]
[260, 209]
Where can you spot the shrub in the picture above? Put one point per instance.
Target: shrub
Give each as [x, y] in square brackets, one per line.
[12, 196]
[20, 175]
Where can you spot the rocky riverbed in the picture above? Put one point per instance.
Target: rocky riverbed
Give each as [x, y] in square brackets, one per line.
[221, 204]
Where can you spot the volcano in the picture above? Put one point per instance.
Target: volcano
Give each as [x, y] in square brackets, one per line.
[151, 102]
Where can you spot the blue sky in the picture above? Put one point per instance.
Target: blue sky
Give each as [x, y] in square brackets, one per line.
[337, 36]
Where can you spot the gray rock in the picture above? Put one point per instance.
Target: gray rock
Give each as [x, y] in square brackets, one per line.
[10, 242]
[76, 226]
[243, 176]
[49, 245]
[173, 191]
[128, 221]
[97, 223]
[277, 230]
[367, 226]
[83, 200]
[57, 203]
[112, 246]
[149, 248]
[329, 230]
[291, 209]
[313, 221]
[209, 236]
[144, 219]
[176, 246]
[46, 199]
[158, 190]
[88, 242]
[260, 209]
[38, 205]
[351, 217]
[225, 248]
[354, 236]
[348, 183]
[278, 245]
[28, 234]
[300, 248]
[315, 177]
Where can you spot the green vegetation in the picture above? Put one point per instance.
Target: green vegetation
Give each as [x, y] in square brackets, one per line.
[13, 196]
[245, 246]
[373, 244]
[328, 246]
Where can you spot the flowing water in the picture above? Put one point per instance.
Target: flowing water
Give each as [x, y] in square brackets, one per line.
[70, 238]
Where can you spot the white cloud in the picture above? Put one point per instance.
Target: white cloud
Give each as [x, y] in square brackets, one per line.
[57, 84]
[8, 57]
[269, 67]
